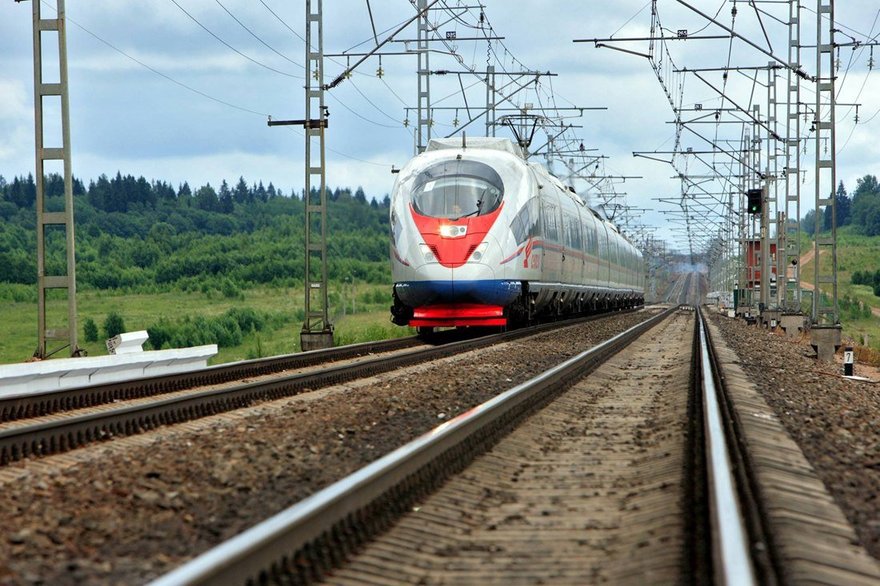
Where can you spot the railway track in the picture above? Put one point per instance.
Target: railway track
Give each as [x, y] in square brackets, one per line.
[30, 405]
[580, 475]
[70, 419]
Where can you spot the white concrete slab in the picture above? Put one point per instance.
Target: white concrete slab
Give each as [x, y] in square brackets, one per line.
[127, 343]
[68, 373]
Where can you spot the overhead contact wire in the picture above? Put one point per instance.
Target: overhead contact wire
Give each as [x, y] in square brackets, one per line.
[220, 40]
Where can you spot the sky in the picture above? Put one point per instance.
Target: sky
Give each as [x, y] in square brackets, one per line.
[181, 90]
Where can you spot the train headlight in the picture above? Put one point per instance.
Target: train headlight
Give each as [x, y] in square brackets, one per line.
[427, 253]
[451, 231]
[477, 254]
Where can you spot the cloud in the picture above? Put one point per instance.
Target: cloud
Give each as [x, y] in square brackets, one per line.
[124, 117]
[16, 127]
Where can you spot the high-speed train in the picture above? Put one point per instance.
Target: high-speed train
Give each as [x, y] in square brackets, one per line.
[483, 237]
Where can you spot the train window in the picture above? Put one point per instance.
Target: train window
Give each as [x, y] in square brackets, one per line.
[572, 232]
[525, 224]
[592, 239]
[578, 236]
[457, 189]
[551, 222]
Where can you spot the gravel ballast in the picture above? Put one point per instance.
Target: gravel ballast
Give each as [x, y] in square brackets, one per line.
[835, 421]
[127, 513]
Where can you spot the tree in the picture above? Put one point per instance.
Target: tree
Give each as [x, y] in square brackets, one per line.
[843, 204]
[260, 193]
[90, 330]
[113, 325]
[206, 199]
[867, 192]
[163, 191]
[53, 185]
[225, 196]
[22, 192]
[870, 216]
[241, 193]
[808, 224]
[184, 194]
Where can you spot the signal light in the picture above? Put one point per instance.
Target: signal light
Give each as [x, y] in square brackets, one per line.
[754, 199]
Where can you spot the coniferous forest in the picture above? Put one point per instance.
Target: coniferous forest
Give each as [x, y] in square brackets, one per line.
[148, 236]
[193, 266]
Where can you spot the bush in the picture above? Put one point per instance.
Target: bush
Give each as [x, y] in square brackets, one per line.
[113, 325]
[226, 330]
[90, 330]
[229, 289]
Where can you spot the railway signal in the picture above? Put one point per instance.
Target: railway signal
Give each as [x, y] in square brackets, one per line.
[754, 197]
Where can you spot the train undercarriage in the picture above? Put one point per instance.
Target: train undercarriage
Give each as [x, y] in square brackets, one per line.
[532, 305]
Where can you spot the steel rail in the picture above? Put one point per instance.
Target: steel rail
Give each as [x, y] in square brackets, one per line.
[26, 405]
[77, 430]
[295, 540]
[731, 542]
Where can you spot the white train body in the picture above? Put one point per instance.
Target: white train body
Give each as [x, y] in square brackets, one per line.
[482, 237]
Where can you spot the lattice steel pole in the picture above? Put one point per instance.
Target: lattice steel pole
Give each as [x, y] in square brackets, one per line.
[490, 100]
[49, 219]
[317, 331]
[791, 293]
[758, 228]
[423, 132]
[825, 332]
[768, 212]
[743, 265]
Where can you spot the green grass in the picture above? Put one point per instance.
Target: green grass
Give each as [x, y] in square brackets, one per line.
[283, 306]
[854, 253]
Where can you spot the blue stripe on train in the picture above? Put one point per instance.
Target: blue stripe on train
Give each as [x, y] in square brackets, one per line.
[493, 292]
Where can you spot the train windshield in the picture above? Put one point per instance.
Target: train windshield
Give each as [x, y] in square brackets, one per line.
[457, 189]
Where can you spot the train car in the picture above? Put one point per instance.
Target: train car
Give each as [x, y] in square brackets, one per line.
[483, 237]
